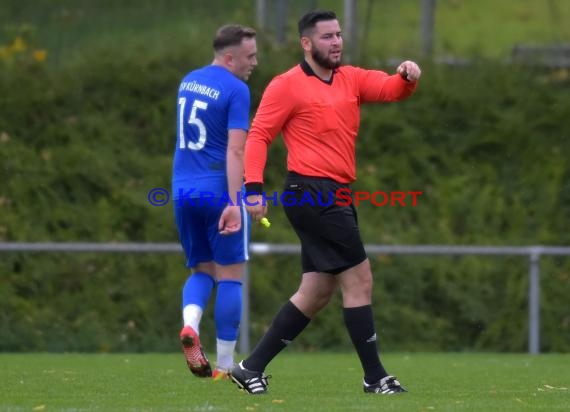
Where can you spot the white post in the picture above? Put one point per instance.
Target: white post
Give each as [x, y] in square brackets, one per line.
[281, 21]
[244, 345]
[261, 14]
[427, 26]
[534, 304]
[350, 30]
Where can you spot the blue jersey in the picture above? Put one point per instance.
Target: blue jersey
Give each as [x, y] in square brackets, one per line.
[211, 100]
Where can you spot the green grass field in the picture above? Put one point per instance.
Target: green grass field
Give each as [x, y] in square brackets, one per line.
[301, 382]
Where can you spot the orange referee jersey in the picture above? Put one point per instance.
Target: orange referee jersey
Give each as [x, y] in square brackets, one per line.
[319, 120]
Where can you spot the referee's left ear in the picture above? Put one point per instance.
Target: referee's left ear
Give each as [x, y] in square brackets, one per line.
[306, 44]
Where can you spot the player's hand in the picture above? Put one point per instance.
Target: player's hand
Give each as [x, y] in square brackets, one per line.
[256, 207]
[409, 70]
[230, 220]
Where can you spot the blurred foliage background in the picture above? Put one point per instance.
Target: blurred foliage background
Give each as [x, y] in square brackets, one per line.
[87, 128]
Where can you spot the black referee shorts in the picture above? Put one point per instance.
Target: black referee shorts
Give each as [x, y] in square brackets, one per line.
[329, 235]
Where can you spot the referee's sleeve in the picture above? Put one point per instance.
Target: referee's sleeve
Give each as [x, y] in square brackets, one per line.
[378, 86]
[274, 109]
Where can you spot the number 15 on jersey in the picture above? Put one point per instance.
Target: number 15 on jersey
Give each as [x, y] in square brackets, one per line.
[193, 120]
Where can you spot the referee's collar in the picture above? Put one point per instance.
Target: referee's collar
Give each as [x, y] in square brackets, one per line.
[310, 72]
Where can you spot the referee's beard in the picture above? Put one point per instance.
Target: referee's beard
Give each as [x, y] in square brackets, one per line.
[324, 61]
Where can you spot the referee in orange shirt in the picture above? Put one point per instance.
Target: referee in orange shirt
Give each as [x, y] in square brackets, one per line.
[316, 107]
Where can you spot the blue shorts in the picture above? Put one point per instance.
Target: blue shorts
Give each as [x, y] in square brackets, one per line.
[198, 231]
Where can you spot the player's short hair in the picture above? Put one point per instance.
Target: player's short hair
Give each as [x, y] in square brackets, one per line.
[231, 35]
[310, 20]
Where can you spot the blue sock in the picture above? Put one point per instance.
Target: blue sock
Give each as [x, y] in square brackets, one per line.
[197, 290]
[227, 311]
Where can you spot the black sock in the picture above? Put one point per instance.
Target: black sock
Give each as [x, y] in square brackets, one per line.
[360, 325]
[287, 324]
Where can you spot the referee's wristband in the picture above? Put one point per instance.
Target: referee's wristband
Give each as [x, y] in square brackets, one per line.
[254, 188]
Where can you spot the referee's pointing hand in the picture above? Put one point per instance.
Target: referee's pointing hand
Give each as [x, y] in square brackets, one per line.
[409, 71]
[256, 207]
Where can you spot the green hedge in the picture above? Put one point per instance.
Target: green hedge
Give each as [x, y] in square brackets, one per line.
[80, 147]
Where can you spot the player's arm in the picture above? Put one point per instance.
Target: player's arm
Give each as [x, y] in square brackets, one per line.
[230, 220]
[234, 162]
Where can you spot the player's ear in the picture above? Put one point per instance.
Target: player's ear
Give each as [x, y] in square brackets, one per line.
[228, 59]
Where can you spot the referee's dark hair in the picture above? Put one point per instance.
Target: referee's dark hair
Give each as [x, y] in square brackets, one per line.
[309, 20]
